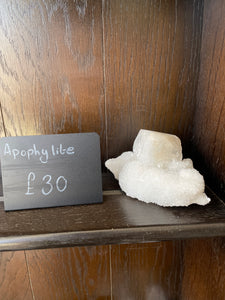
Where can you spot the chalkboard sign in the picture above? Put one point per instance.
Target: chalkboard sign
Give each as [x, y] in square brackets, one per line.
[51, 170]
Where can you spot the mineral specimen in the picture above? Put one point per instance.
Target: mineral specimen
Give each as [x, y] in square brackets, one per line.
[155, 171]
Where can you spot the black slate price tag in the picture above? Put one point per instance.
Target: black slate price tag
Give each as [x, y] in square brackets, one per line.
[51, 170]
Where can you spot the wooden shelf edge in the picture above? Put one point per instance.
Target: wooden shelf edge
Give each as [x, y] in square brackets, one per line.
[113, 236]
[118, 220]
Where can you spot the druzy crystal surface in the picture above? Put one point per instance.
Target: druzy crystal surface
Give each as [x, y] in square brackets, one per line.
[155, 171]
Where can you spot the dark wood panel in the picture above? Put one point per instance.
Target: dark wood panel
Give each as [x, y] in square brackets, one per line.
[70, 273]
[147, 271]
[52, 81]
[14, 277]
[204, 274]
[51, 71]
[152, 61]
[209, 133]
[204, 271]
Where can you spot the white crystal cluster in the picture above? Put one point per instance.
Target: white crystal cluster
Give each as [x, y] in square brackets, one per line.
[155, 171]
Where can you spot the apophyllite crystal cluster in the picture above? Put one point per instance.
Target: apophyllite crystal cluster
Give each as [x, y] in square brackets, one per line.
[155, 171]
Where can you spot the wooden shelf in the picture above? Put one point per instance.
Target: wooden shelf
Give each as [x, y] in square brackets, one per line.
[119, 219]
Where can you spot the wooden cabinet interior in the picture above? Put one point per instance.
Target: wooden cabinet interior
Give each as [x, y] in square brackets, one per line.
[114, 67]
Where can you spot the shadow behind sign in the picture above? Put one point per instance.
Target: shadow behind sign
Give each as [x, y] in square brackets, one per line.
[51, 170]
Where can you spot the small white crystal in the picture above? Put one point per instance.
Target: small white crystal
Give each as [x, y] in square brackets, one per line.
[155, 172]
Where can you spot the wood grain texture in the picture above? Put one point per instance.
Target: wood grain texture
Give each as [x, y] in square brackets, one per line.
[61, 64]
[204, 269]
[2, 127]
[14, 277]
[51, 74]
[70, 273]
[152, 53]
[147, 271]
[209, 133]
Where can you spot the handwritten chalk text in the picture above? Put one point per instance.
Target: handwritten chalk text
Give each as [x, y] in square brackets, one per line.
[42, 154]
[61, 184]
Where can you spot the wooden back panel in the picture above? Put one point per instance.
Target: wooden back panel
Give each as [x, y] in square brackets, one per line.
[109, 67]
[112, 67]
[152, 51]
[209, 133]
[51, 67]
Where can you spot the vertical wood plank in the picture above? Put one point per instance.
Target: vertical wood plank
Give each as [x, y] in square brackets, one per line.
[152, 61]
[204, 274]
[2, 125]
[2, 128]
[70, 273]
[209, 131]
[14, 278]
[204, 269]
[51, 71]
[147, 271]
